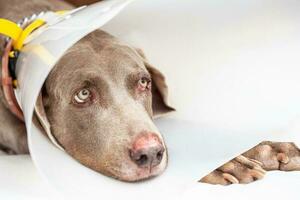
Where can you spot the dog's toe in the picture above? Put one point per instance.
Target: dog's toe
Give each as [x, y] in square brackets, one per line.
[288, 155]
[230, 178]
[219, 178]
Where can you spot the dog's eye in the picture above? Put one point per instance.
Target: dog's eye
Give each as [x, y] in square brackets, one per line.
[144, 84]
[82, 96]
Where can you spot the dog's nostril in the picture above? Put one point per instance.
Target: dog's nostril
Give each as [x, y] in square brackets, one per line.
[142, 160]
[159, 155]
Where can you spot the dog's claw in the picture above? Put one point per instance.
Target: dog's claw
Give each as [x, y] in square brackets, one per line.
[230, 178]
[256, 161]
[251, 163]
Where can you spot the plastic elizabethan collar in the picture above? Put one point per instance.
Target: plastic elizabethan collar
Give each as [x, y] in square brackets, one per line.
[186, 141]
[43, 48]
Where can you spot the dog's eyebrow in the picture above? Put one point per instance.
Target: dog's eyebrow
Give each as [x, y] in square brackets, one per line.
[84, 79]
[132, 78]
[146, 74]
[141, 73]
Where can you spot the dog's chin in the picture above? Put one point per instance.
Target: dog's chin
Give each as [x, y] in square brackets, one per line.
[141, 174]
[135, 174]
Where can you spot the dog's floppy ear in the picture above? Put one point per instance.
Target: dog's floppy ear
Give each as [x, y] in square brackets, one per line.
[44, 122]
[160, 104]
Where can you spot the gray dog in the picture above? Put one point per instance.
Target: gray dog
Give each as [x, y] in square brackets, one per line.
[100, 100]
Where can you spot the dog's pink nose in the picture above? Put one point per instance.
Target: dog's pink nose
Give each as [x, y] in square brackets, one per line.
[147, 150]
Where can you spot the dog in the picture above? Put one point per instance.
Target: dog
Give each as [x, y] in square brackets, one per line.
[100, 100]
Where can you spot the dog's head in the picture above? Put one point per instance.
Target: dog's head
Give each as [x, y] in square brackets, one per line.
[100, 100]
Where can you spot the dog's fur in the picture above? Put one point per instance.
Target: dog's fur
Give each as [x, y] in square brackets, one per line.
[99, 134]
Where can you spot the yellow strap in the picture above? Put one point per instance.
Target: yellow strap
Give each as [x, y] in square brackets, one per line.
[17, 34]
[18, 44]
[10, 29]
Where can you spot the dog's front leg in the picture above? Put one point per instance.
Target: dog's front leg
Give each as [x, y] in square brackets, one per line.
[251, 165]
[239, 170]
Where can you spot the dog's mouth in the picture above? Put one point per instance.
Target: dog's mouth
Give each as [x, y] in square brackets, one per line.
[129, 172]
[144, 174]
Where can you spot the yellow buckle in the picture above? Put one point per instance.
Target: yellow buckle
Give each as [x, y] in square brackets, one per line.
[17, 34]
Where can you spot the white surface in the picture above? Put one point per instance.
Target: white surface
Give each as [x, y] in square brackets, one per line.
[20, 181]
[233, 69]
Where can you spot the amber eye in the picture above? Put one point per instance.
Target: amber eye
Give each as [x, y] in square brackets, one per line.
[82, 96]
[144, 84]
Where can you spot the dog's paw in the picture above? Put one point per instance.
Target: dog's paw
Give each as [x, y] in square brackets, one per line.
[282, 156]
[239, 170]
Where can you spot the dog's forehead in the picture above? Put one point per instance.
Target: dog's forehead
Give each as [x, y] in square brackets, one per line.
[97, 54]
[121, 56]
[99, 49]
